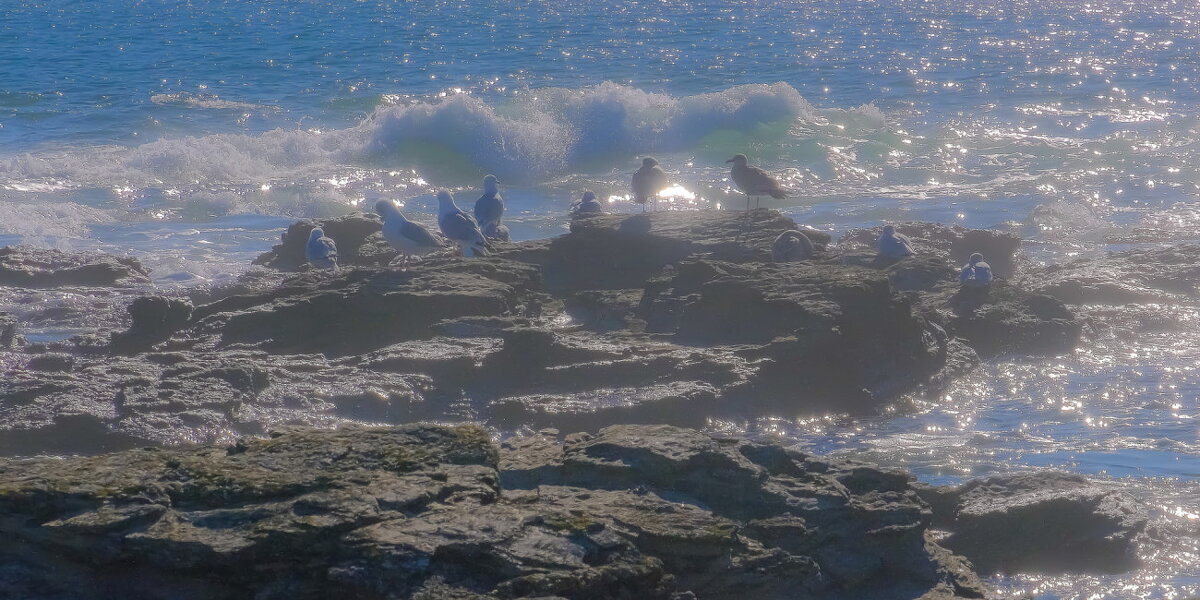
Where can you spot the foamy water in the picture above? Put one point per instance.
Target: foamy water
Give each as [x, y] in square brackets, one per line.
[189, 135]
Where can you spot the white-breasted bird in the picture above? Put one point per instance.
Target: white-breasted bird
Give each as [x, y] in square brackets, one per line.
[459, 227]
[320, 251]
[409, 238]
[489, 208]
[648, 181]
[753, 181]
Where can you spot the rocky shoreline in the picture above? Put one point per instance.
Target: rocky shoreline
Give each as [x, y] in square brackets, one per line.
[434, 511]
[640, 329]
[669, 318]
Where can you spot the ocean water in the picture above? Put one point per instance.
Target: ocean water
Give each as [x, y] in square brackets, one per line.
[189, 134]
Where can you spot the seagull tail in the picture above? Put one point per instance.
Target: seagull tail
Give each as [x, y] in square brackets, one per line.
[477, 250]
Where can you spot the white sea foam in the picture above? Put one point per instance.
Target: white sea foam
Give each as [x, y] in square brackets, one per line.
[537, 135]
[47, 223]
[207, 101]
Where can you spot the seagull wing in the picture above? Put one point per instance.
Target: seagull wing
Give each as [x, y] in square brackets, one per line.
[489, 208]
[418, 234]
[762, 182]
[329, 248]
[460, 227]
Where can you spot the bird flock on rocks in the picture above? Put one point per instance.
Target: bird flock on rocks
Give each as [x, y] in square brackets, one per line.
[473, 232]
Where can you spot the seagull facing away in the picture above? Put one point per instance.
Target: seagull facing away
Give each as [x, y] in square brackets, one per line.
[648, 181]
[459, 227]
[894, 245]
[791, 245]
[320, 251]
[753, 181]
[976, 273]
[410, 239]
[489, 208]
[589, 205]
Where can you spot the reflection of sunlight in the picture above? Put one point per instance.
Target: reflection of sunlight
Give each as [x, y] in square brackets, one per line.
[676, 191]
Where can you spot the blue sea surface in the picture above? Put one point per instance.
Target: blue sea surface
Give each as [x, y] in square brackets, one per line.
[189, 134]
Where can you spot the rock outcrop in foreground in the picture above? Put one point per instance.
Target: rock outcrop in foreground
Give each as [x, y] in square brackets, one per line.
[437, 512]
[1047, 522]
[662, 318]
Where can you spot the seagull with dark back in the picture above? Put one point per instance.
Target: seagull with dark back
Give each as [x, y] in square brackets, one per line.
[489, 208]
[459, 227]
[589, 205]
[648, 181]
[320, 251]
[894, 245]
[753, 181]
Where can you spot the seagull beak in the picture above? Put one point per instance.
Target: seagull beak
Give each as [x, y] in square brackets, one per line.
[729, 161]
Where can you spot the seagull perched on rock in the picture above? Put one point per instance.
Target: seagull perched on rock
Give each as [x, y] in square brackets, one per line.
[459, 227]
[753, 181]
[976, 273]
[648, 181]
[791, 245]
[589, 205]
[489, 208]
[408, 238]
[320, 251]
[894, 245]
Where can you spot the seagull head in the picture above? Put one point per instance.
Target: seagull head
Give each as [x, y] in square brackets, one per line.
[976, 258]
[648, 162]
[489, 184]
[385, 208]
[589, 196]
[316, 234]
[445, 202]
[738, 160]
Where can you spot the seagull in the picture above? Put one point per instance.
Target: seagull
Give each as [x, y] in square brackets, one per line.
[489, 208]
[753, 181]
[459, 227]
[410, 239]
[320, 251]
[976, 273]
[894, 245]
[647, 182]
[589, 205]
[791, 245]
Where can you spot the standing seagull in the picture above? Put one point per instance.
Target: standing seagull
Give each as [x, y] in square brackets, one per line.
[410, 239]
[320, 251]
[648, 181]
[459, 227]
[753, 181]
[894, 245]
[489, 208]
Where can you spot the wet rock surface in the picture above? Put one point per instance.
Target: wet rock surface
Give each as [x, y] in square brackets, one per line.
[356, 235]
[954, 242]
[426, 511]
[662, 318]
[22, 266]
[1043, 521]
[1164, 274]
